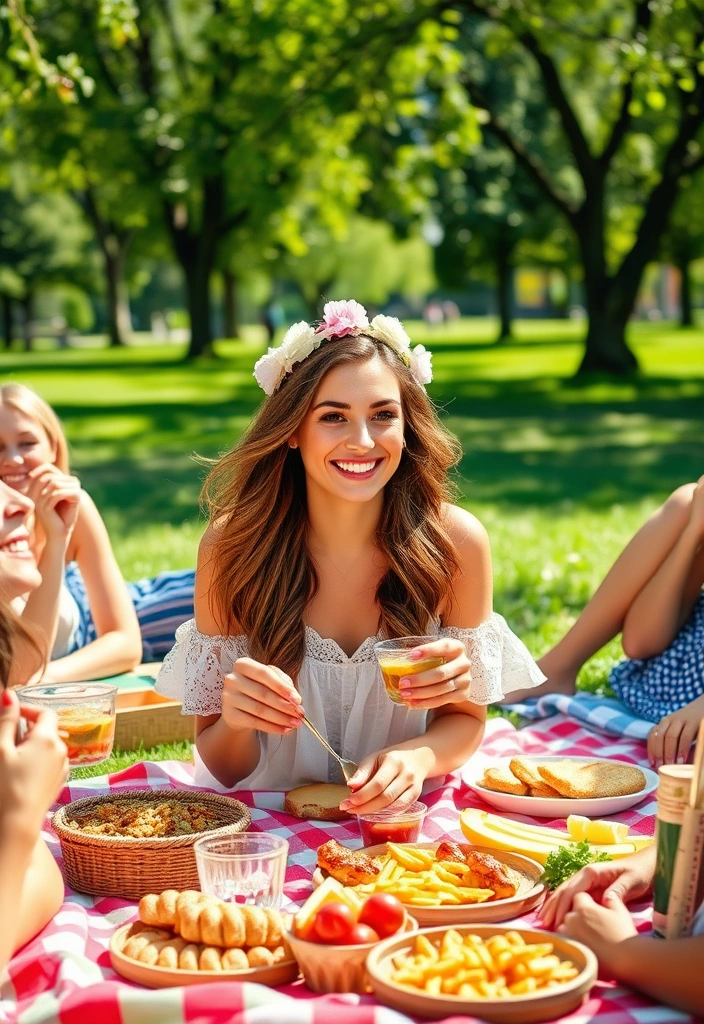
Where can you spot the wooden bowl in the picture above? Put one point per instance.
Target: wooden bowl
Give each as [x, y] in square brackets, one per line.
[522, 1009]
[337, 968]
[162, 977]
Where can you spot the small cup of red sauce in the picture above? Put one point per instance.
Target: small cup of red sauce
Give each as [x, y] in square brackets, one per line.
[393, 825]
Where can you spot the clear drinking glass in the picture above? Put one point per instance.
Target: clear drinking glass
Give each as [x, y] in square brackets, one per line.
[395, 663]
[86, 714]
[245, 867]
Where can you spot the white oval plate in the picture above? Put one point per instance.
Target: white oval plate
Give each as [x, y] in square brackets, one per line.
[560, 807]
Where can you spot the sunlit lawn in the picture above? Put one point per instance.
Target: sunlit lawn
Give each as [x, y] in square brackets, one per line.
[561, 472]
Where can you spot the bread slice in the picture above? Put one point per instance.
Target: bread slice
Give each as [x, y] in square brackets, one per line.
[543, 791]
[319, 801]
[593, 779]
[527, 771]
[502, 780]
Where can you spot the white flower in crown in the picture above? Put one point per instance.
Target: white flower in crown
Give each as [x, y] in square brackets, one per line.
[422, 364]
[299, 341]
[391, 331]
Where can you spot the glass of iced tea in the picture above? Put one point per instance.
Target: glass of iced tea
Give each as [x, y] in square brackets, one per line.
[86, 714]
[395, 662]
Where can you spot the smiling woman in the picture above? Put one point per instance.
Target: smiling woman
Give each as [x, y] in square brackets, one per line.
[330, 528]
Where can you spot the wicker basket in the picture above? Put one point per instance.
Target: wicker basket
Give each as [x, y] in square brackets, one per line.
[129, 868]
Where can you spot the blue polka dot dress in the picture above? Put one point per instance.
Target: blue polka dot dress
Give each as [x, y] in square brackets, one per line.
[657, 686]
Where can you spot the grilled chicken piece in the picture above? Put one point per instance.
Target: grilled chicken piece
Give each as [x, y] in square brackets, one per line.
[351, 867]
[486, 871]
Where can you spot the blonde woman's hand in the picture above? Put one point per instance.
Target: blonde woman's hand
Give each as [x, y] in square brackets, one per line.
[385, 778]
[602, 928]
[56, 498]
[670, 741]
[34, 769]
[260, 697]
[449, 683]
[626, 879]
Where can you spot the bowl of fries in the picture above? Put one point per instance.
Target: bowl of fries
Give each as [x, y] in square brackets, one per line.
[327, 968]
[496, 973]
[441, 892]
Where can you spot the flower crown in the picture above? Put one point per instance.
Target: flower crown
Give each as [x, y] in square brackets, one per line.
[340, 319]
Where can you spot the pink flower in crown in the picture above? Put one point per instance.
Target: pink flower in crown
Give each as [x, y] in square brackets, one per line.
[342, 318]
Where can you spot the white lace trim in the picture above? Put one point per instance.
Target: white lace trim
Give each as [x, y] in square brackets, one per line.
[501, 663]
[194, 668]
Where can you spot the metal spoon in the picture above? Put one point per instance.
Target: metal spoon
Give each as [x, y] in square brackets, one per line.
[348, 767]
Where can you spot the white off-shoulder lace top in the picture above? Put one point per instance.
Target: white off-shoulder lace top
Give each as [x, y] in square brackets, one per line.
[343, 696]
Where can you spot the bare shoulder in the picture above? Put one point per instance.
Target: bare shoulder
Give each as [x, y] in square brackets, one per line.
[466, 532]
[471, 599]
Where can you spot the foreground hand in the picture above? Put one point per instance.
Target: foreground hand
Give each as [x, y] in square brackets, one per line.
[260, 697]
[385, 778]
[599, 927]
[671, 740]
[32, 770]
[447, 684]
[624, 879]
[56, 498]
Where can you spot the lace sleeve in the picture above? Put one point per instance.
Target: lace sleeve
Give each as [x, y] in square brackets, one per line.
[194, 668]
[501, 662]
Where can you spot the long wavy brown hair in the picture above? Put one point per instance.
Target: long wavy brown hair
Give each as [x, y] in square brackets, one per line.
[256, 494]
[12, 631]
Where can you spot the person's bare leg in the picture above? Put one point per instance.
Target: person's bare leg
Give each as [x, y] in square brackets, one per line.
[602, 618]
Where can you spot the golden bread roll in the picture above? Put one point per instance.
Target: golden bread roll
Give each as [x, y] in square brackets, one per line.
[161, 909]
[188, 957]
[260, 956]
[169, 953]
[317, 802]
[136, 943]
[234, 960]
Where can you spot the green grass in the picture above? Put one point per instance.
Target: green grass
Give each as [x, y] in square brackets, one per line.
[560, 471]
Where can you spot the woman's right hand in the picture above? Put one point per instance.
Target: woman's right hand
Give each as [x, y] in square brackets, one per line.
[56, 498]
[625, 879]
[260, 697]
[34, 769]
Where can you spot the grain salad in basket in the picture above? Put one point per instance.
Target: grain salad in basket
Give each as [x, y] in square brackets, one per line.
[130, 843]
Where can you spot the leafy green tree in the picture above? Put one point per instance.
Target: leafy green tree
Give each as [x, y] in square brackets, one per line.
[684, 242]
[619, 128]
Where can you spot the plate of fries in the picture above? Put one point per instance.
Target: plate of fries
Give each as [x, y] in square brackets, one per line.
[444, 892]
[499, 974]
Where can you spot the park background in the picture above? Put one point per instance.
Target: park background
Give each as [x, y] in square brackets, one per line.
[521, 182]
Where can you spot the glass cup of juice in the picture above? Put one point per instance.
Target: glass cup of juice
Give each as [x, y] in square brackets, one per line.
[86, 714]
[395, 661]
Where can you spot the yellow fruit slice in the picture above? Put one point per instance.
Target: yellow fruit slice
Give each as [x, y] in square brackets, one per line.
[599, 832]
[329, 891]
[577, 826]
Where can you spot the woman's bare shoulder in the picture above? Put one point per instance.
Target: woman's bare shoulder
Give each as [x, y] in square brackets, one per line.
[464, 529]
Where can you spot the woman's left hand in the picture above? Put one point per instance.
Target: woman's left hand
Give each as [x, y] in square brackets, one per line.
[386, 778]
[599, 927]
[672, 738]
[447, 684]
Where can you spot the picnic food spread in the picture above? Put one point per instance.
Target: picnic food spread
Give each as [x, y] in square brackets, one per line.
[192, 931]
[567, 778]
[142, 820]
[535, 841]
[319, 801]
[501, 966]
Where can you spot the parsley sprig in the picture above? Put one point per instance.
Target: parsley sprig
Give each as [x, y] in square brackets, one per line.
[566, 860]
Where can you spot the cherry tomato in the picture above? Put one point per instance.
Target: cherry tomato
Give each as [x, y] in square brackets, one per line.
[360, 935]
[334, 922]
[383, 913]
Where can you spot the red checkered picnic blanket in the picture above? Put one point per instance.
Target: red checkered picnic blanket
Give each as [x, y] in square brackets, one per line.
[64, 975]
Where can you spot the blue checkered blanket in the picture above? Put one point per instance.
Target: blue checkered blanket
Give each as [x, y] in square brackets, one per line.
[602, 714]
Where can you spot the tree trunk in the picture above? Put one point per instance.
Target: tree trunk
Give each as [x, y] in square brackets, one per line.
[504, 288]
[197, 272]
[7, 320]
[686, 317]
[27, 304]
[119, 319]
[231, 325]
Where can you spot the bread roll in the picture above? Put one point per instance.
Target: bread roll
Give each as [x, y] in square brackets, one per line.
[317, 802]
